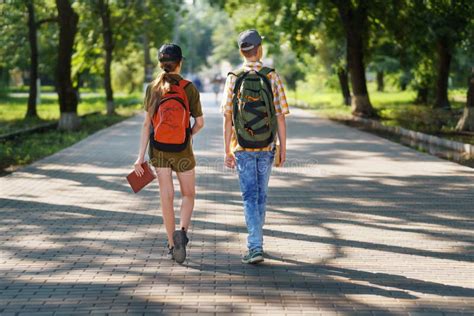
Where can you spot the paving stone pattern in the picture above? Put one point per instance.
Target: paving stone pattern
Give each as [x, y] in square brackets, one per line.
[355, 225]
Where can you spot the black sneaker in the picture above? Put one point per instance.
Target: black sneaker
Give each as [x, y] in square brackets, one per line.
[253, 257]
[180, 241]
[170, 252]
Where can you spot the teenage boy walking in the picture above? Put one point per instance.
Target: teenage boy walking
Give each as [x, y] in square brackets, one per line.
[254, 107]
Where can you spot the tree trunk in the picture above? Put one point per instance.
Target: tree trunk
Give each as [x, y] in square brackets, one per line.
[107, 35]
[67, 20]
[380, 81]
[109, 93]
[444, 61]
[355, 20]
[403, 86]
[78, 86]
[32, 37]
[148, 65]
[422, 95]
[3, 82]
[344, 83]
[466, 123]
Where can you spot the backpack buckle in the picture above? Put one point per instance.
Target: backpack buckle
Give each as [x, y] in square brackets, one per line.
[252, 98]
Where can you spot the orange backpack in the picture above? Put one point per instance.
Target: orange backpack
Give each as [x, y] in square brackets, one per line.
[171, 127]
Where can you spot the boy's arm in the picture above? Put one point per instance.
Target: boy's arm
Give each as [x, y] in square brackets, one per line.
[281, 107]
[282, 137]
[229, 159]
[226, 109]
[227, 132]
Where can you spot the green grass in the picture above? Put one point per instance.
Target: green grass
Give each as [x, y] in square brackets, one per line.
[395, 108]
[26, 149]
[328, 104]
[13, 109]
[25, 89]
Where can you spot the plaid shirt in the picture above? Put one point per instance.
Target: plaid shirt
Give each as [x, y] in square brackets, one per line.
[279, 99]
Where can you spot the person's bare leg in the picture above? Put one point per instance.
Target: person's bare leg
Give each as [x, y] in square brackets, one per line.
[187, 184]
[165, 181]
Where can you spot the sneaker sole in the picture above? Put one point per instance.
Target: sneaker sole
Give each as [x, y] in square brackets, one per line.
[254, 260]
[179, 252]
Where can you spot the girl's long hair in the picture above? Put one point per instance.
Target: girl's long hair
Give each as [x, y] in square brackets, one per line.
[161, 85]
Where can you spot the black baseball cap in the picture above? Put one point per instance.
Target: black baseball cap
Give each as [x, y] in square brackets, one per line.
[249, 39]
[170, 52]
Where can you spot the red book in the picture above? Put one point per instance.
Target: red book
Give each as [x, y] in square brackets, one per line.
[137, 183]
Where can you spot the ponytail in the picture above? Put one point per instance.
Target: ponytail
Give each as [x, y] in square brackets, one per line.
[161, 85]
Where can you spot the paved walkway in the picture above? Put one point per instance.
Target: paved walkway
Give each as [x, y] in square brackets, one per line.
[356, 225]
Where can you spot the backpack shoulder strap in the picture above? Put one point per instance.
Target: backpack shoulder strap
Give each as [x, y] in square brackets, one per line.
[266, 71]
[263, 73]
[241, 74]
[183, 83]
[180, 89]
[237, 72]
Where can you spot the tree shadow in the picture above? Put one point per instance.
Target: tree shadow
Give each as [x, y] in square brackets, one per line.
[125, 241]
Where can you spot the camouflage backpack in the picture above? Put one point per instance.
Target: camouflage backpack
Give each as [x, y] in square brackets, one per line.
[254, 115]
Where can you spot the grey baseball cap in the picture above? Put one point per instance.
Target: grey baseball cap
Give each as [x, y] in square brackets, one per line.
[249, 39]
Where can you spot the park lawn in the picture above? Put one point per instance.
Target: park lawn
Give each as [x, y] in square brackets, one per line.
[395, 108]
[13, 109]
[26, 149]
[45, 88]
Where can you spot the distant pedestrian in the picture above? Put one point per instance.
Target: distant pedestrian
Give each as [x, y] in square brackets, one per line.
[254, 107]
[169, 103]
[216, 86]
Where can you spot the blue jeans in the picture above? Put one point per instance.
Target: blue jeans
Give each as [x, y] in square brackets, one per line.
[254, 168]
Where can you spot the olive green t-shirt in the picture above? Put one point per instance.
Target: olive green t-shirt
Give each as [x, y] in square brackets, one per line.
[196, 111]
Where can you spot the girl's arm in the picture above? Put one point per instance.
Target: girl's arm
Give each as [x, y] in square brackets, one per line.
[144, 139]
[198, 125]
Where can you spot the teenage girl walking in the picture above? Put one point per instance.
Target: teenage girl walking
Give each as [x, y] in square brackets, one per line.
[169, 102]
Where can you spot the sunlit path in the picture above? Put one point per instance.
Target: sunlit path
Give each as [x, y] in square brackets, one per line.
[355, 224]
